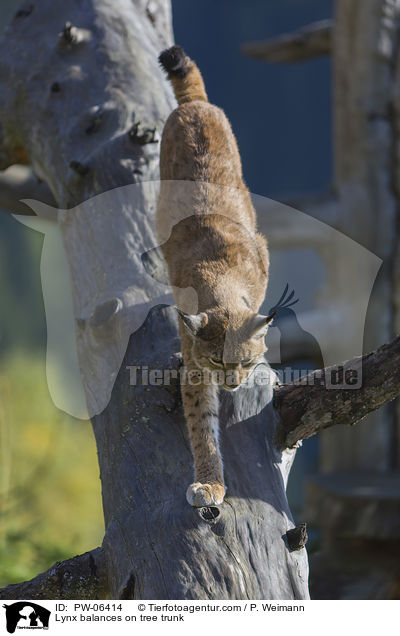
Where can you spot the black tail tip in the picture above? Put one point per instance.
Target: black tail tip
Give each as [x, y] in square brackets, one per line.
[173, 61]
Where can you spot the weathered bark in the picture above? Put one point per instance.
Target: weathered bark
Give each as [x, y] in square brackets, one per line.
[70, 108]
[82, 577]
[309, 406]
[365, 62]
[311, 41]
[158, 544]
[77, 138]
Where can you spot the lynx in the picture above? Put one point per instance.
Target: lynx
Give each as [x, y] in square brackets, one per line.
[207, 224]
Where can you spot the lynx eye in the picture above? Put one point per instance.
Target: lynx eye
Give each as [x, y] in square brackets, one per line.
[247, 363]
[216, 362]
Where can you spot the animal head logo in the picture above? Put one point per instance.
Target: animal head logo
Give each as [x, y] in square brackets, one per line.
[112, 300]
[26, 615]
[295, 341]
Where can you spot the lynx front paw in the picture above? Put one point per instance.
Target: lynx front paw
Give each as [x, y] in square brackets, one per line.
[200, 495]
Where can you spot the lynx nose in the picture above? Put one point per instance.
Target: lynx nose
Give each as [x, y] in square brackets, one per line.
[231, 387]
[232, 377]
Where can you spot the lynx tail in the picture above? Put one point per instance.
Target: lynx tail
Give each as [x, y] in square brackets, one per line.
[184, 75]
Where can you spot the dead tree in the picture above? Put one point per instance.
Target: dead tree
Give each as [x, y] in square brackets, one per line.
[66, 108]
[362, 42]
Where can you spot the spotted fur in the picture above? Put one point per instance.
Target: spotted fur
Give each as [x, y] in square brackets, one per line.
[207, 226]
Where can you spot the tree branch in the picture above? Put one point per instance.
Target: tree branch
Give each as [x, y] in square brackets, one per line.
[312, 404]
[19, 182]
[311, 41]
[82, 577]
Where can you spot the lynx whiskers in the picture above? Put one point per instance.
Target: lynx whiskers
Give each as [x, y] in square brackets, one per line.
[206, 214]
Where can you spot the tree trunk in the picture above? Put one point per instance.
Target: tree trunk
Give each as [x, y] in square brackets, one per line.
[69, 107]
[86, 108]
[155, 542]
[364, 46]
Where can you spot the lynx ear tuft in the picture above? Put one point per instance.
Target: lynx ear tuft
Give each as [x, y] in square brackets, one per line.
[260, 325]
[193, 322]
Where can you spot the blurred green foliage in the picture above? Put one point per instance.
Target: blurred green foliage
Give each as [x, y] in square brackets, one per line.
[22, 322]
[50, 499]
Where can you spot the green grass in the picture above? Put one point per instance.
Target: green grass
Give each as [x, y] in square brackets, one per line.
[50, 497]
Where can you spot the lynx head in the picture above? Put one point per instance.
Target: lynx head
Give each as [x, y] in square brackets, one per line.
[231, 345]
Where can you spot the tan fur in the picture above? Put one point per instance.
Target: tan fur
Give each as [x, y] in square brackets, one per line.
[191, 87]
[207, 224]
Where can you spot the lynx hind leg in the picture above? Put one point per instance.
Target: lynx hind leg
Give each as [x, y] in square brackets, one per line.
[201, 411]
